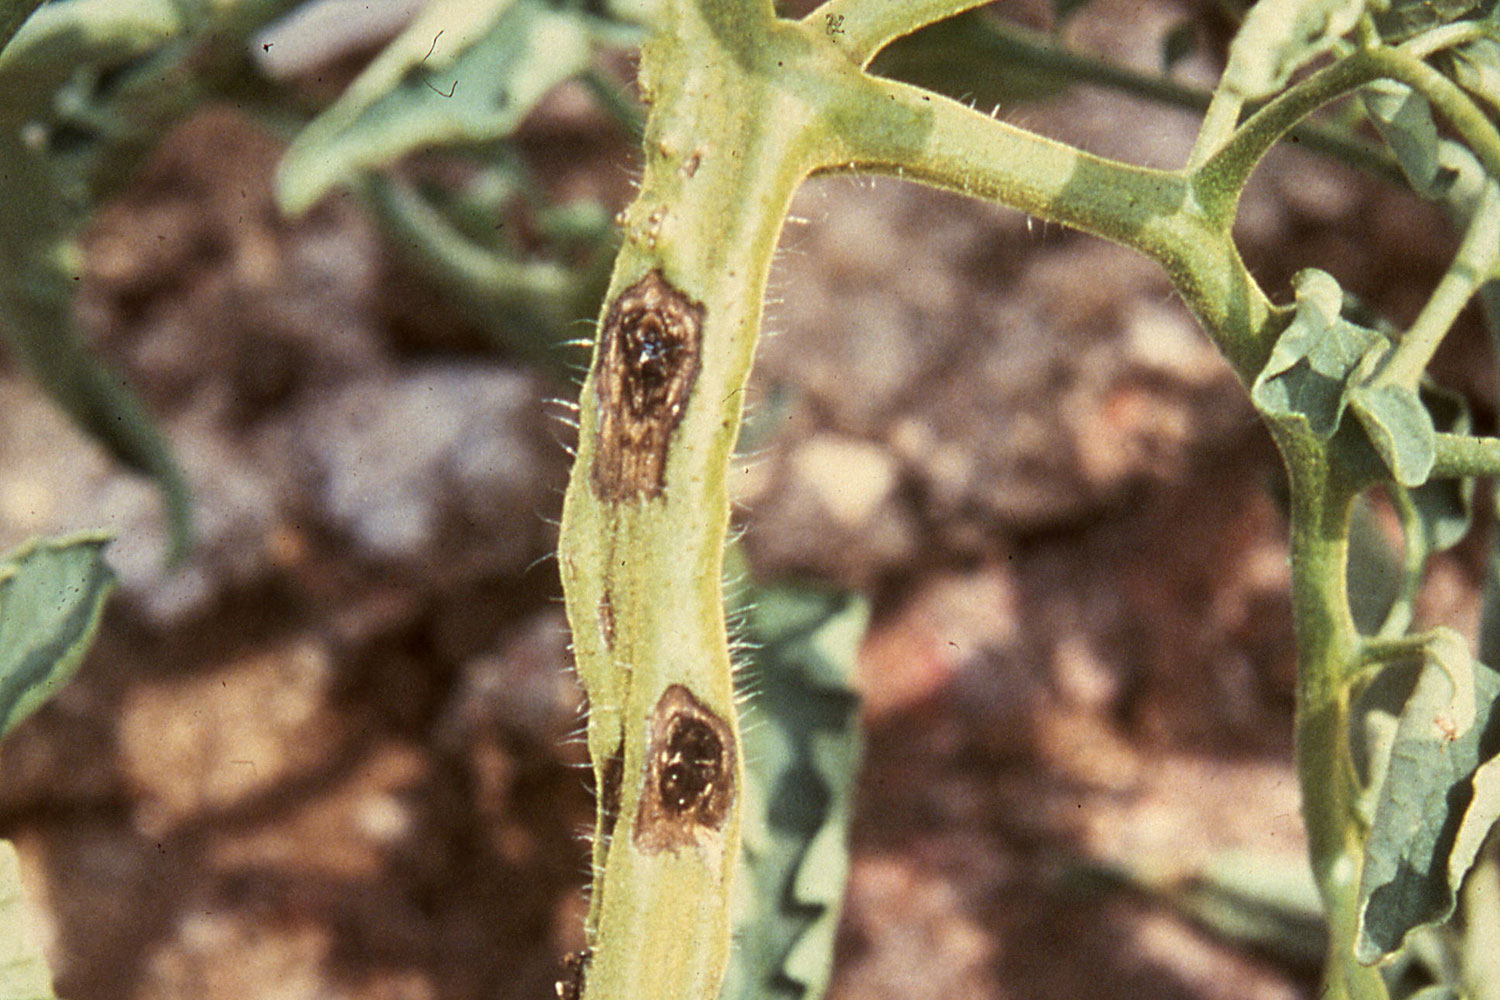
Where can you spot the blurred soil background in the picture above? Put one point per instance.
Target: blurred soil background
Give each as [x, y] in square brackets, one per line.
[335, 755]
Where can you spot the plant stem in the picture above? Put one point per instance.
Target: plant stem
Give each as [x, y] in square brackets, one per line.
[1473, 265]
[1327, 648]
[892, 128]
[1038, 52]
[1447, 36]
[1222, 176]
[1448, 98]
[1460, 456]
[1223, 115]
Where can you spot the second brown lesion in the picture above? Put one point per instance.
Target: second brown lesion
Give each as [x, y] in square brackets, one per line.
[648, 362]
[690, 780]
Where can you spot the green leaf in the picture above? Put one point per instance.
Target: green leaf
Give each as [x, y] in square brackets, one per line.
[802, 747]
[1446, 506]
[1423, 838]
[23, 970]
[36, 323]
[1438, 992]
[1315, 358]
[1404, 120]
[52, 594]
[1279, 37]
[1399, 427]
[462, 72]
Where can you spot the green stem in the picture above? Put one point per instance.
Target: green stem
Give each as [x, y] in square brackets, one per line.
[1328, 647]
[1473, 265]
[1038, 53]
[893, 128]
[1448, 98]
[1447, 36]
[1222, 176]
[1460, 456]
[1219, 123]
[861, 28]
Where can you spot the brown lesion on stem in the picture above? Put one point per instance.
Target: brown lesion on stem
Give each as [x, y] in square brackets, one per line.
[609, 792]
[648, 361]
[690, 779]
[569, 985]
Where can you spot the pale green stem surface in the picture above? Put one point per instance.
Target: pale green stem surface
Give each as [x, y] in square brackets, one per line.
[727, 143]
[1464, 456]
[1328, 648]
[1473, 265]
[1219, 123]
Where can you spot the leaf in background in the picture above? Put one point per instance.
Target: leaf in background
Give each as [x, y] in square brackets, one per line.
[802, 746]
[23, 970]
[1399, 427]
[1384, 582]
[1404, 120]
[1416, 859]
[1279, 37]
[529, 306]
[1315, 358]
[52, 595]
[1265, 900]
[463, 71]
[972, 60]
[41, 210]
[1438, 992]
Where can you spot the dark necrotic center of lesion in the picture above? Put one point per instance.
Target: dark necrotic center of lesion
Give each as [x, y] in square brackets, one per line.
[648, 362]
[690, 785]
[693, 763]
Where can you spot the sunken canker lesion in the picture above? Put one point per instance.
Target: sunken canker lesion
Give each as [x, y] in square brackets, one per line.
[690, 780]
[647, 364]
